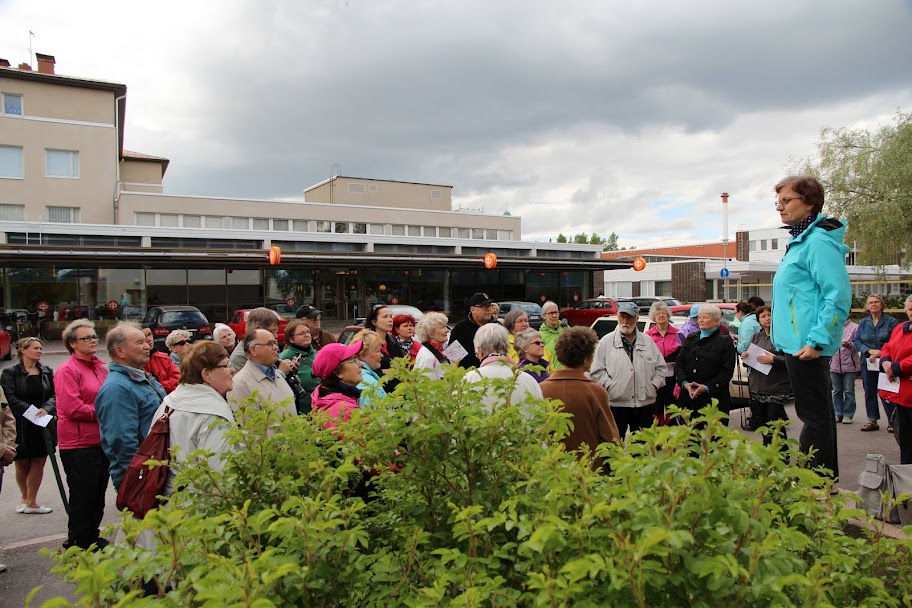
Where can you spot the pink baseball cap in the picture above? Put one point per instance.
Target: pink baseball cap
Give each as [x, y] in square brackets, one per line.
[330, 356]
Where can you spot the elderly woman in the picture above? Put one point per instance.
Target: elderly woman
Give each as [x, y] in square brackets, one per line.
[432, 332]
[160, 365]
[873, 332]
[583, 398]
[76, 383]
[299, 348]
[491, 342]
[224, 335]
[28, 383]
[706, 363]
[369, 357]
[177, 342]
[516, 321]
[550, 330]
[844, 368]
[337, 395]
[896, 363]
[665, 336]
[769, 393]
[404, 334]
[531, 350]
[201, 417]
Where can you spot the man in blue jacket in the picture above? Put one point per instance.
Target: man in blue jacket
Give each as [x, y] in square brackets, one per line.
[128, 398]
[811, 300]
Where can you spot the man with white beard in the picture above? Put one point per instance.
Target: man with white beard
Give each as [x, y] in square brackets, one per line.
[631, 368]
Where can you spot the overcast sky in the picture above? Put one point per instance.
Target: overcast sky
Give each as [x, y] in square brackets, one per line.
[618, 116]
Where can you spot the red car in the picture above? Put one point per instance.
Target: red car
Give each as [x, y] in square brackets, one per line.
[238, 324]
[6, 344]
[587, 311]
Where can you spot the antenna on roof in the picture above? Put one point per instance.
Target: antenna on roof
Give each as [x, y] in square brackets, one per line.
[31, 54]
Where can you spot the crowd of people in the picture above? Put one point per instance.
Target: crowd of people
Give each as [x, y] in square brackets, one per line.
[611, 386]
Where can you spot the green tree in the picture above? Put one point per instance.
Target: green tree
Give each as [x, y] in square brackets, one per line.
[561, 238]
[611, 243]
[582, 238]
[867, 175]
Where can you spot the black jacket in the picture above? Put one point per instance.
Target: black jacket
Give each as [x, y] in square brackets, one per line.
[464, 333]
[709, 361]
[13, 381]
[777, 381]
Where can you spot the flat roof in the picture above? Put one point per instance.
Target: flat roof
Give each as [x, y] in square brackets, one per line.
[372, 179]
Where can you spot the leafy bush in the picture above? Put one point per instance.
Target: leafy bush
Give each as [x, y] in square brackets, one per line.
[429, 499]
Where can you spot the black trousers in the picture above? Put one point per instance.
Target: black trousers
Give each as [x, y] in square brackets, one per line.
[902, 424]
[814, 407]
[87, 477]
[635, 418]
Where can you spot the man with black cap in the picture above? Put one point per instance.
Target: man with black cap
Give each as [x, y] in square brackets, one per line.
[311, 317]
[480, 308]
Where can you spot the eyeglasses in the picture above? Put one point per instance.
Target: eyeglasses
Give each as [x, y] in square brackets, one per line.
[270, 343]
[785, 201]
[88, 338]
[537, 343]
[180, 343]
[225, 366]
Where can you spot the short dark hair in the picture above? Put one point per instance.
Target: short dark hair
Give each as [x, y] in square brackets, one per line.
[575, 346]
[745, 307]
[763, 309]
[292, 327]
[204, 354]
[808, 186]
[757, 301]
[371, 321]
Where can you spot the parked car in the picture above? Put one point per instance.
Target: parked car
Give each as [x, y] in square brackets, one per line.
[588, 311]
[6, 344]
[348, 333]
[645, 302]
[238, 323]
[682, 311]
[162, 320]
[607, 324]
[396, 309]
[532, 310]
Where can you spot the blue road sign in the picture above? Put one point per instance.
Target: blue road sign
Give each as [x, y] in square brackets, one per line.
[724, 273]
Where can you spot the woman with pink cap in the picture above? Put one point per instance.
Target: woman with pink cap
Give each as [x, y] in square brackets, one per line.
[340, 372]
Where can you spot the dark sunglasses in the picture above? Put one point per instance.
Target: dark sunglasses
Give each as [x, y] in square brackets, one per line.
[180, 343]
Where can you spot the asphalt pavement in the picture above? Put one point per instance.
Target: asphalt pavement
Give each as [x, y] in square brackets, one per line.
[23, 536]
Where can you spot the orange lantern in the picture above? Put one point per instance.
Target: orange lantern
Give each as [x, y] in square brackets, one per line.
[490, 261]
[639, 264]
[275, 255]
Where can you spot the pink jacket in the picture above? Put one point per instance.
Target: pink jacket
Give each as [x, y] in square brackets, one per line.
[336, 405]
[668, 344]
[76, 383]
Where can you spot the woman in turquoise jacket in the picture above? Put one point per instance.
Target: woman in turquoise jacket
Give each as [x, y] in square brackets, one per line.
[811, 300]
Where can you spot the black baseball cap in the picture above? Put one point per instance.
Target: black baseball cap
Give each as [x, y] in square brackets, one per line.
[308, 312]
[479, 299]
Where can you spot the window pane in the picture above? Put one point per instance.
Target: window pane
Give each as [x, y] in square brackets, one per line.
[398, 230]
[324, 226]
[414, 230]
[64, 215]
[300, 225]
[260, 223]
[12, 104]
[435, 194]
[145, 219]
[12, 213]
[445, 232]
[357, 188]
[213, 221]
[376, 228]
[429, 230]
[10, 161]
[341, 227]
[465, 233]
[240, 223]
[491, 235]
[192, 221]
[280, 225]
[167, 219]
[62, 163]
[359, 228]
[505, 235]
[477, 233]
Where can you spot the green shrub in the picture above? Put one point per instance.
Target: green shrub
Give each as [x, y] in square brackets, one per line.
[428, 499]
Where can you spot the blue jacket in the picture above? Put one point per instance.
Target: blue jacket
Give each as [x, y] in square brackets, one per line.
[369, 379]
[749, 326]
[811, 291]
[124, 405]
[869, 337]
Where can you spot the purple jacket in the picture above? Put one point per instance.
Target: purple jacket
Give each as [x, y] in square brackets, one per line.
[846, 359]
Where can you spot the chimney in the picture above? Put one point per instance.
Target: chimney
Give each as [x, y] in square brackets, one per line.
[25, 66]
[45, 63]
[4, 63]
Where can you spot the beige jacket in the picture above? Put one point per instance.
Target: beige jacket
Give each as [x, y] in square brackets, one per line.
[251, 378]
[7, 426]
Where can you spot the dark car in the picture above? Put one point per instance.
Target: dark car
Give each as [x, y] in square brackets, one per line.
[682, 311]
[532, 310]
[587, 311]
[643, 303]
[162, 320]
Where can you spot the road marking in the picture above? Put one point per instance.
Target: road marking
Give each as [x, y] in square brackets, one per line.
[34, 541]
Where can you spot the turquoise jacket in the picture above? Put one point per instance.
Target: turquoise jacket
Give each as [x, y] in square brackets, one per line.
[811, 291]
[370, 385]
[746, 330]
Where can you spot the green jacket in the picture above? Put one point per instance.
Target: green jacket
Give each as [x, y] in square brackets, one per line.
[305, 372]
[549, 337]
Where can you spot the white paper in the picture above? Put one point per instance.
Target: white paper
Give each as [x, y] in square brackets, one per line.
[873, 367]
[886, 385]
[455, 352]
[754, 351]
[31, 414]
[671, 369]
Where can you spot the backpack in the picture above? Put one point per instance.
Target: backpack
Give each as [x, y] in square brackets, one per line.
[879, 478]
[142, 485]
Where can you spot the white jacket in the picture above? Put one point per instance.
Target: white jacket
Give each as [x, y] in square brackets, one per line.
[629, 383]
[501, 367]
[425, 359]
[200, 419]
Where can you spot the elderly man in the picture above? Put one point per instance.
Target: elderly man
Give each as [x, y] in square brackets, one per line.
[258, 318]
[312, 319]
[811, 300]
[260, 375]
[706, 363]
[127, 399]
[630, 367]
[490, 345]
[480, 309]
[551, 330]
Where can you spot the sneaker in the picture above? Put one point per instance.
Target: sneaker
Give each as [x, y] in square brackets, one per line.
[847, 420]
[870, 426]
[838, 419]
[39, 510]
[20, 508]
[890, 429]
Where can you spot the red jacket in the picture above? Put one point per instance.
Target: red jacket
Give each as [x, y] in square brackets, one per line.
[898, 352]
[162, 367]
[76, 383]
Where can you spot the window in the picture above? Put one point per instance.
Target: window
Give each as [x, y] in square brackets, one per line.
[465, 233]
[145, 219]
[12, 213]
[11, 161]
[192, 221]
[356, 188]
[477, 233]
[213, 221]
[167, 219]
[774, 243]
[240, 223]
[260, 223]
[414, 230]
[491, 235]
[12, 104]
[763, 245]
[63, 215]
[753, 246]
[505, 235]
[376, 228]
[324, 226]
[435, 194]
[280, 225]
[299, 225]
[62, 163]
[429, 230]
[398, 230]
[372, 187]
[341, 228]
[445, 232]
[359, 228]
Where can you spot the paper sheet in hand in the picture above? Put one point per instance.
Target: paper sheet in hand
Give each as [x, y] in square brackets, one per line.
[31, 414]
[671, 370]
[886, 385]
[455, 352]
[753, 351]
[873, 367]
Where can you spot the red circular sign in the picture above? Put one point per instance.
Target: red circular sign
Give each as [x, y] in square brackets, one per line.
[290, 302]
[112, 305]
[490, 260]
[639, 264]
[43, 306]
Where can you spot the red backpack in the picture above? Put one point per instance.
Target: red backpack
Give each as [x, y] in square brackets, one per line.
[142, 485]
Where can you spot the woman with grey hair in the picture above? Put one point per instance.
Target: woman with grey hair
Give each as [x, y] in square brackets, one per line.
[177, 342]
[873, 332]
[706, 363]
[531, 350]
[224, 335]
[432, 332]
[665, 336]
[491, 342]
[896, 363]
[516, 321]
